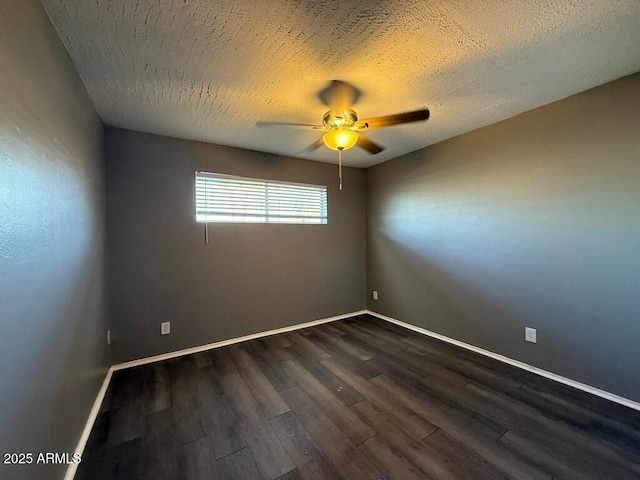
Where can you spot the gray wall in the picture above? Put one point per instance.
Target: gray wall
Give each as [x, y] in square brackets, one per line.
[250, 278]
[532, 221]
[52, 290]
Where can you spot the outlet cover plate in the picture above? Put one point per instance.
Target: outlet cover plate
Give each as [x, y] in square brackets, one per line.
[530, 335]
[165, 328]
[375, 294]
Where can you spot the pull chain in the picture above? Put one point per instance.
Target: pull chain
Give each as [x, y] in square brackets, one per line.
[340, 167]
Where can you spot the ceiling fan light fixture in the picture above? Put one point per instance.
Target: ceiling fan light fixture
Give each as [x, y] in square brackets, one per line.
[340, 139]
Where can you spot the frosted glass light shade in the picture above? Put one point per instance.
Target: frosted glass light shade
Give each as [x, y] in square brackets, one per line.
[340, 139]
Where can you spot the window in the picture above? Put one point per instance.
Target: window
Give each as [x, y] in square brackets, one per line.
[226, 198]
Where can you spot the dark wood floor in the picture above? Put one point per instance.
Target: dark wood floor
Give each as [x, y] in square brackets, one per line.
[355, 399]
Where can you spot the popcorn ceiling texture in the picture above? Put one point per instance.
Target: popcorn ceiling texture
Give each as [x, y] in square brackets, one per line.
[207, 70]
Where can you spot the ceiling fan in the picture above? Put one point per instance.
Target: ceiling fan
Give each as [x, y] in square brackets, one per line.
[340, 125]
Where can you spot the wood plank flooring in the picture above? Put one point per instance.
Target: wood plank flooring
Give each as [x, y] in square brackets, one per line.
[355, 399]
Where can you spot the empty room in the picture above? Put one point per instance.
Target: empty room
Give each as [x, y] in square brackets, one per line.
[297, 239]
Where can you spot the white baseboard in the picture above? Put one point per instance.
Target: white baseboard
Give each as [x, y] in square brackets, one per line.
[71, 469]
[224, 343]
[516, 363]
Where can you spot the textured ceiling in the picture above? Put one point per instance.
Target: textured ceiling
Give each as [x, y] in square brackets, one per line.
[207, 70]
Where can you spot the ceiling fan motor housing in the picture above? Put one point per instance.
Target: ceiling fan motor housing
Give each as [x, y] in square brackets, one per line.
[345, 119]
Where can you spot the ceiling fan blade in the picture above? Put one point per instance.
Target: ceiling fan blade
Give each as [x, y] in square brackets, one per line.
[339, 96]
[369, 145]
[267, 123]
[398, 118]
[311, 148]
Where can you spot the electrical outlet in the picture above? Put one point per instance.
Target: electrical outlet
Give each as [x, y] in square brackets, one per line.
[530, 334]
[165, 328]
[375, 294]
[108, 337]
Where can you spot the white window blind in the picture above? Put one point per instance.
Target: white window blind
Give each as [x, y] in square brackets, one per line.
[227, 198]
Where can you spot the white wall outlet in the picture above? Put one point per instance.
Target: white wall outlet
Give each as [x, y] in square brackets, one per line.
[375, 294]
[108, 337]
[165, 328]
[530, 335]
